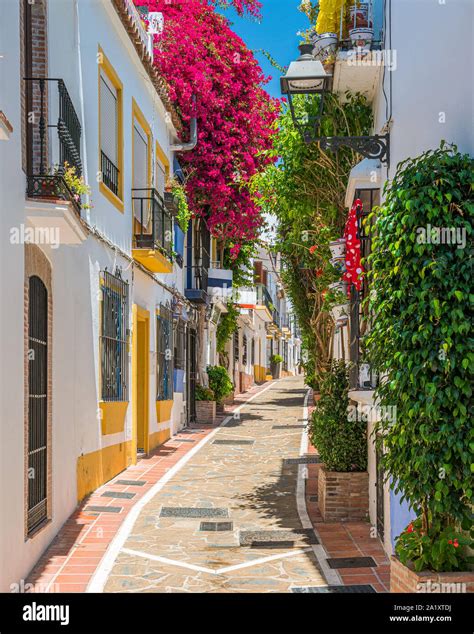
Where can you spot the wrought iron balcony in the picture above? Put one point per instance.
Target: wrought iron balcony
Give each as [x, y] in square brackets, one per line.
[153, 223]
[47, 154]
[264, 298]
[110, 173]
[198, 263]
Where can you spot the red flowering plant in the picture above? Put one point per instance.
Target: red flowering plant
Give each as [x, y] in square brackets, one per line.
[442, 548]
[214, 77]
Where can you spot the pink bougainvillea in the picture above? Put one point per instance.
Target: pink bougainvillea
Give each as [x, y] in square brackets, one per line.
[202, 58]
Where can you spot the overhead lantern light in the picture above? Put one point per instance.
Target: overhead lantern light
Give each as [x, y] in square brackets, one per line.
[306, 76]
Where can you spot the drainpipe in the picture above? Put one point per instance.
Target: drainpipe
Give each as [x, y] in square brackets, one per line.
[191, 144]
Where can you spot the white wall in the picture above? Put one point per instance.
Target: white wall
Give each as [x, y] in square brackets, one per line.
[433, 79]
[75, 270]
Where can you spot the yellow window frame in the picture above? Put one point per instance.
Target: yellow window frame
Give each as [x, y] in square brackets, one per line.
[107, 68]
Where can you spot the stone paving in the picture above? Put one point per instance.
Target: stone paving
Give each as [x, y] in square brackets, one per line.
[243, 532]
[246, 484]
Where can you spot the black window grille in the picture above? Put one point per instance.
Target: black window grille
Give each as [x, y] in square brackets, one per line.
[37, 403]
[244, 350]
[179, 345]
[114, 333]
[164, 357]
[252, 352]
[110, 173]
[236, 347]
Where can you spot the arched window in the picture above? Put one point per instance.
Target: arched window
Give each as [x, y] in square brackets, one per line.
[37, 402]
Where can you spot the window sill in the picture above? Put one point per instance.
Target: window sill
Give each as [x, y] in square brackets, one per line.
[113, 414]
[111, 197]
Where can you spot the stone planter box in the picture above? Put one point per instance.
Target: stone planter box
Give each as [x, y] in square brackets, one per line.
[228, 400]
[404, 579]
[206, 411]
[276, 370]
[343, 497]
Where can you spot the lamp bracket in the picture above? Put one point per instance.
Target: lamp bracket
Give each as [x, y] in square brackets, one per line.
[376, 146]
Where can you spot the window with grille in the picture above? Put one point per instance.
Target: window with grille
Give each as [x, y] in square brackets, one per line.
[109, 132]
[164, 356]
[179, 345]
[252, 352]
[244, 347]
[236, 347]
[114, 344]
[37, 403]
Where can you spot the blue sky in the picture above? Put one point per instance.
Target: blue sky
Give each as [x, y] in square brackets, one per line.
[275, 33]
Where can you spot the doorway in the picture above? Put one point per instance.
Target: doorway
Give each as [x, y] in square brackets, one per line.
[191, 375]
[140, 387]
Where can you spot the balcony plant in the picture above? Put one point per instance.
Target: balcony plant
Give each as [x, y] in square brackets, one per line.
[341, 441]
[76, 184]
[420, 342]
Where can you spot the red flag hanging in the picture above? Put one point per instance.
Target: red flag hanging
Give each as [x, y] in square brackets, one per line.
[354, 269]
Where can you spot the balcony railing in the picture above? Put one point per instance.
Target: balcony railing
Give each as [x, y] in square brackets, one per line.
[264, 298]
[110, 173]
[153, 224]
[47, 155]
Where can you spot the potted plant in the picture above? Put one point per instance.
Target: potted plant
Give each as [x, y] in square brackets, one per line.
[219, 383]
[205, 405]
[324, 45]
[341, 440]
[337, 248]
[362, 32]
[276, 361]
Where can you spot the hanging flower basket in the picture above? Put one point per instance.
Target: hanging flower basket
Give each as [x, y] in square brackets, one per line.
[361, 38]
[337, 248]
[325, 45]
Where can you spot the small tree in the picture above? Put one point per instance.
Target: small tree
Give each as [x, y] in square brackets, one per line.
[420, 341]
[340, 439]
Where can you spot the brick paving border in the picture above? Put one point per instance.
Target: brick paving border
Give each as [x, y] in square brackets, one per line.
[76, 552]
[346, 539]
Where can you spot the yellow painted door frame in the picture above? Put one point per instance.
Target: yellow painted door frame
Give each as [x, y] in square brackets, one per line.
[140, 378]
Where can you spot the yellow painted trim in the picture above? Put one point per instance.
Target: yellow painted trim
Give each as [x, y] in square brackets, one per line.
[158, 438]
[113, 414]
[163, 411]
[139, 314]
[97, 467]
[160, 154]
[109, 70]
[111, 197]
[153, 260]
[269, 377]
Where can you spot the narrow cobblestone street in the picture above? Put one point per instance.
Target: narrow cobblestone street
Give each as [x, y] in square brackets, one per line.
[228, 520]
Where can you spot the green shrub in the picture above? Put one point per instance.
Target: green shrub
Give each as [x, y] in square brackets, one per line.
[421, 339]
[219, 381]
[276, 358]
[204, 394]
[340, 440]
[443, 548]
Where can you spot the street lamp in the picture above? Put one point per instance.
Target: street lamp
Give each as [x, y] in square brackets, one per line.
[306, 76]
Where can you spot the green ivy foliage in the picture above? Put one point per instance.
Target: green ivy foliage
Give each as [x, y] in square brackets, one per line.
[421, 341]
[226, 327]
[305, 191]
[340, 439]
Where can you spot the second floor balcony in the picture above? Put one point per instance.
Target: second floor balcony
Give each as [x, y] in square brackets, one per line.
[197, 262]
[264, 304]
[53, 159]
[153, 231]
